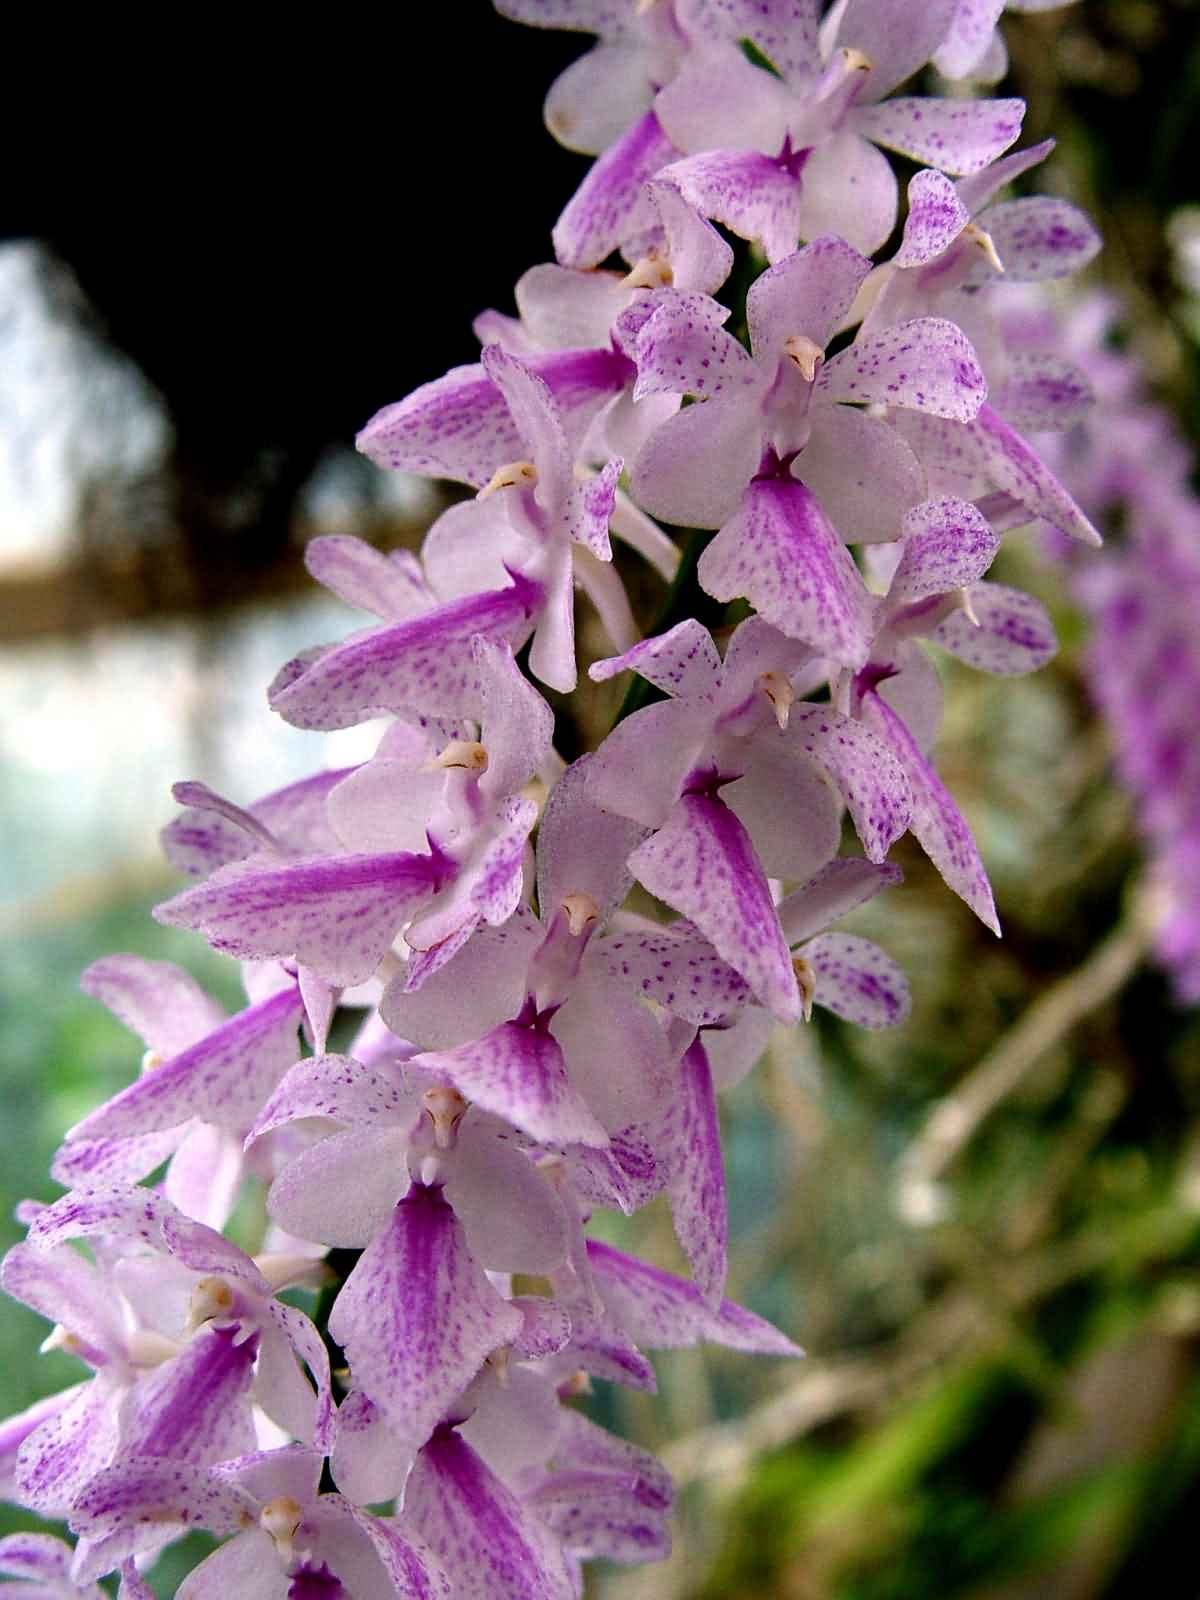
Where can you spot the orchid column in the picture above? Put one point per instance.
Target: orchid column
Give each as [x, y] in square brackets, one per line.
[526, 1049]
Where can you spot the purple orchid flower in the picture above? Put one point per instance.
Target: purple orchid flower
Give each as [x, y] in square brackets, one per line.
[734, 775]
[278, 1528]
[465, 808]
[203, 1336]
[791, 156]
[955, 248]
[204, 1079]
[786, 403]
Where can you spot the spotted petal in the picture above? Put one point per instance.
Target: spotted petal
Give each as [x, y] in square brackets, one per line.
[959, 136]
[923, 365]
[936, 820]
[224, 1078]
[338, 916]
[1012, 632]
[857, 981]
[667, 1313]
[487, 1543]
[417, 1317]
[782, 555]
[518, 1073]
[423, 665]
[702, 863]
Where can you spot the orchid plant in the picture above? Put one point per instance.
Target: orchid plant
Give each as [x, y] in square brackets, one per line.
[846, 441]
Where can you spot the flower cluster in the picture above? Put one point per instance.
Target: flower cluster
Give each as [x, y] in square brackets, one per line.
[528, 1047]
[1129, 460]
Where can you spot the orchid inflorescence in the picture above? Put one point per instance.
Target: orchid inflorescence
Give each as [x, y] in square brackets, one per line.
[528, 1047]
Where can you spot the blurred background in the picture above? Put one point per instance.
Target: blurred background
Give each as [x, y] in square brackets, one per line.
[984, 1226]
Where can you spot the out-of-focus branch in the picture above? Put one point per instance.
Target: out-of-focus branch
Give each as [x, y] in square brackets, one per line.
[955, 1119]
[103, 590]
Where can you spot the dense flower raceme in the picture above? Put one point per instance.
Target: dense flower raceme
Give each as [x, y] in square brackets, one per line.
[460, 1039]
[1128, 459]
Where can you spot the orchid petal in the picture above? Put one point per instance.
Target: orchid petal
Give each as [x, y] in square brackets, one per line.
[513, 1219]
[694, 467]
[58, 1457]
[224, 1078]
[1042, 391]
[668, 1313]
[482, 986]
[489, 1546]
[789, 808]
[871, 780]
[1017, 470]
[200, 840]
[640, 769]
[617, 1054]
[205, 1174]
[518, 1073]
[369, 1462]
[936, 821]
[69, 1291]
[848, 188]
[342, 1190]
[582, 850]
[924, 365]
[806, 295]
[1040, 237]
[977, 190]
[417, 1317]
[460, 427]
[948, 544]
[1011, 632]
[857, 981]
[966, 44]
[280, 1386]
[195, 1408]
[862, 472]
[424, 664]
[781, 554]
[702, 863]
[611, 204]
[936, 217]
[700, 259]
[338, 916]
[696, 1182]
[678, 971]
[389, 586]
[157, 1000]
[839, 888]
[895, 39]
[682, 662]
[959, 136]
[615, 1503]
[517, 724]
[682, 349]
[596, 98]
[751, 194]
